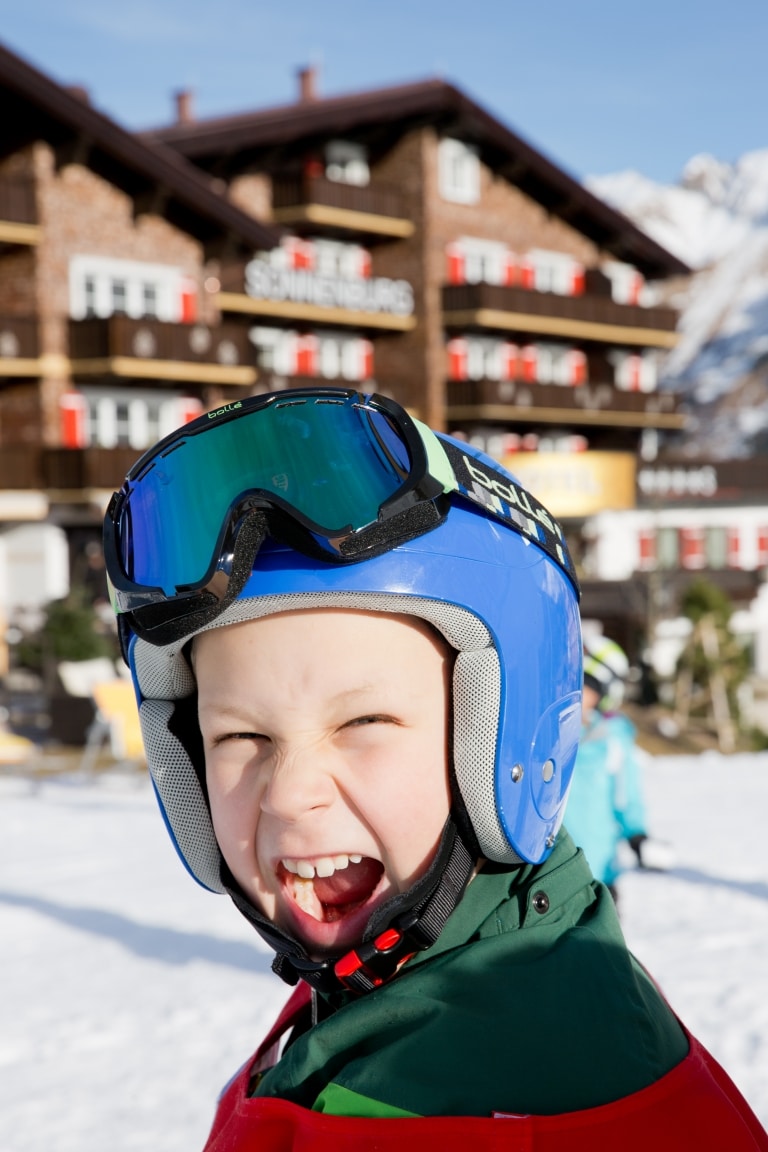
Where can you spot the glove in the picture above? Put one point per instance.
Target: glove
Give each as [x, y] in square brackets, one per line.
[655, 855]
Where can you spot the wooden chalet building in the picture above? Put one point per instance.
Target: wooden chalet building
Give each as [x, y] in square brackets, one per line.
[110, 334]
[402, 240]
[438, 256]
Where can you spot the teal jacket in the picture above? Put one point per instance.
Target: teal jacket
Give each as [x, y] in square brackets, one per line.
[605, 802]
[529, 1002]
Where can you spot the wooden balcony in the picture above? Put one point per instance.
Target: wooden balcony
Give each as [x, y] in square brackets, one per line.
[526, 312]
[596, 405]
[72, 470]
[18, 211]
[21, 467]
[19, 347]
[370, 210]
[33, 467]
[153, 350]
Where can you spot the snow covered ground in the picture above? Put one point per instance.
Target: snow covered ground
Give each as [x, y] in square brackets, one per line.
[129, 995]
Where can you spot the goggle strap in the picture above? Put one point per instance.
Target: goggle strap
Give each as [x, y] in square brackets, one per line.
[501, 496]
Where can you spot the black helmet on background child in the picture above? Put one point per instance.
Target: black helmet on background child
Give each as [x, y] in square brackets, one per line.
[325, 497]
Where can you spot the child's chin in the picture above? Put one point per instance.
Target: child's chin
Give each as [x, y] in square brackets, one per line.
[323, 938]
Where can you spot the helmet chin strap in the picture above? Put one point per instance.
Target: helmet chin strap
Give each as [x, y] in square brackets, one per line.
[409, 922]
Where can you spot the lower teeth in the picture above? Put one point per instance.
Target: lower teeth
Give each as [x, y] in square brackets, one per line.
[304, 895]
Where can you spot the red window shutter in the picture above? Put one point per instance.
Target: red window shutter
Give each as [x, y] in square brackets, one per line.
[457, 358]
[577, 367]
[510, 361]
[634, 373]
[301, 253]
[527, 275]
[313, 167]
[73, 420]
[635, 288]
[734, 546]
[306, 355]
[762, 546]
[692, 553]
[510, 271]
[456, 267]
[646, 543]
[366, 359]
[364, 263]
[530, 363]
[189, 409]
[188, 304]
[578, 280]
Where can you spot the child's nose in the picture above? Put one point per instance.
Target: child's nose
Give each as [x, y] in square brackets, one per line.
[300, 782]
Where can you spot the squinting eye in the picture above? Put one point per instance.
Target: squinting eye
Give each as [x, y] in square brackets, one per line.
[237, 736]
[360, 721]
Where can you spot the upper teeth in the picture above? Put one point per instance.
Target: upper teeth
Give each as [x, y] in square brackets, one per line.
[324, 866]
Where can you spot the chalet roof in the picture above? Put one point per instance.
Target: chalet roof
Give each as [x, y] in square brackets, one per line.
[34, 107]
[226, 145]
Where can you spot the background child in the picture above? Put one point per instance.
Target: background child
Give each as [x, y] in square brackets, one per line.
[368, 746]
[606, 808]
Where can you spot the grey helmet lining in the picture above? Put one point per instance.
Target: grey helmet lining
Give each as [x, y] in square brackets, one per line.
[163, 676]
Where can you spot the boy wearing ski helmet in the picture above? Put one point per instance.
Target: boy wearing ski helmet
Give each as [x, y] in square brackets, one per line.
[357, 654]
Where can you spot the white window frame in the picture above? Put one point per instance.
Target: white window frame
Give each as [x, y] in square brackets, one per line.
[150, 416]
[91, 281]
[553, 271]
[346, 162]
[458, 171]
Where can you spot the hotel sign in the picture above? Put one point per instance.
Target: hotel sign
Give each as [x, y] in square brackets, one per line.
[576, 483]
[263, 281]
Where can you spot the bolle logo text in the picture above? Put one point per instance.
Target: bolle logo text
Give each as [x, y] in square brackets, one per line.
[226, 408]
[513, 495]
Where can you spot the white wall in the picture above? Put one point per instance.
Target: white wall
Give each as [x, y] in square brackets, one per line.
[34, 567]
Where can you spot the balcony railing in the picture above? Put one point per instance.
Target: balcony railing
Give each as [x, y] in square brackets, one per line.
[94, 339]
[33, 466]
[17, 199]
[19, 340]
[37, 468]
[523, 309]
[602, 402]
[304, 197]
[21, 467]
[72, 469]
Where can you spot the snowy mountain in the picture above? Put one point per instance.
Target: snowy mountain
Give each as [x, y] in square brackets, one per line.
[716, 219]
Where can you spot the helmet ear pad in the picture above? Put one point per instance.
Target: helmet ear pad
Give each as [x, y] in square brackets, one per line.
[185, 726]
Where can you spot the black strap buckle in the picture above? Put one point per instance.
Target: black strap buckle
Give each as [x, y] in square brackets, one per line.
[372, 963]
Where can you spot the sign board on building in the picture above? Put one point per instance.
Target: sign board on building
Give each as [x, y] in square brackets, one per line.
[263, 281]
[577, 483]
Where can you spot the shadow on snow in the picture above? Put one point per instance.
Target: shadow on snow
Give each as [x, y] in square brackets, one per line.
[150, 941]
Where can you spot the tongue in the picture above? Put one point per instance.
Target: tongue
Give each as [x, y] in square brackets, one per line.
[350, 885]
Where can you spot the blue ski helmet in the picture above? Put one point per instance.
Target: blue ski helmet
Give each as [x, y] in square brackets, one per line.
[452, 539]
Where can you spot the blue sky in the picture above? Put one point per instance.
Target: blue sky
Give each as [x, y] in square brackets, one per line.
[598, 86]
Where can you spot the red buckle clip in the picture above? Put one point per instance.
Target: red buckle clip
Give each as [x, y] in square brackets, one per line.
[353, 962]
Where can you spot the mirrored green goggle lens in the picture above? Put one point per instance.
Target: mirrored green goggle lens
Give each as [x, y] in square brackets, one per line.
[333, 462]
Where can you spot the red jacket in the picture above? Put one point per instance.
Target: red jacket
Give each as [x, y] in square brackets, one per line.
[694, 1108]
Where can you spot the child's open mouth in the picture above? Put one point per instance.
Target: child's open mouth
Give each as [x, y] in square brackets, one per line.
[331, 888]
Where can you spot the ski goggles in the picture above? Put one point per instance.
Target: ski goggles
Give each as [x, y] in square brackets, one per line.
[336, 474]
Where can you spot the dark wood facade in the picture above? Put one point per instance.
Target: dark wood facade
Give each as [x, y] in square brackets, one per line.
[315, 242]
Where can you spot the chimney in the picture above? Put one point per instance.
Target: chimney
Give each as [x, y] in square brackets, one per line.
[307, 84]
[79, 92]
[184, 110]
